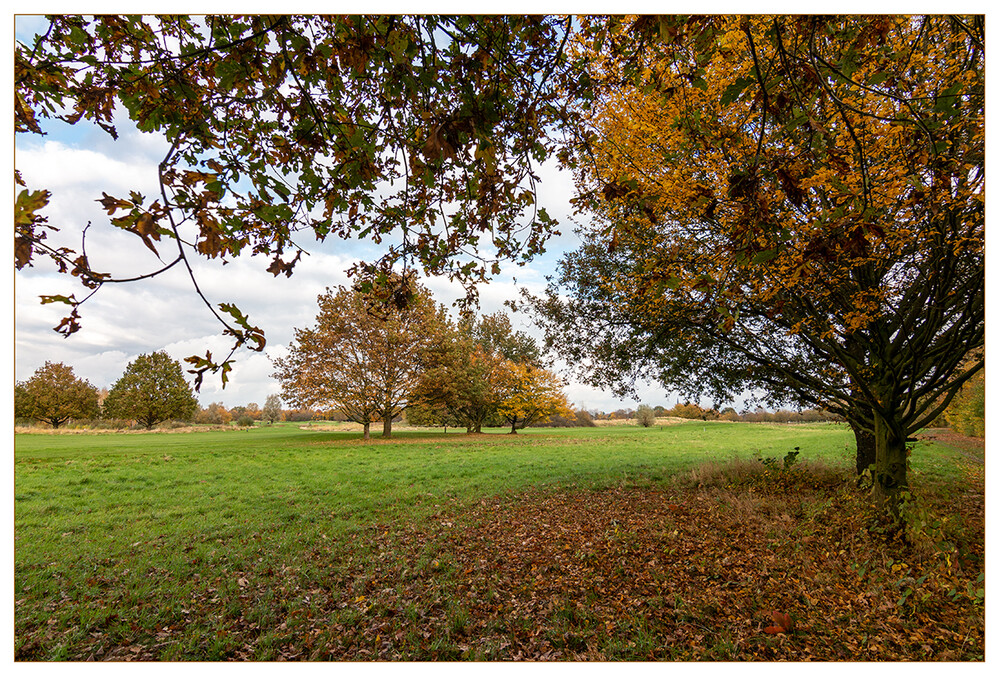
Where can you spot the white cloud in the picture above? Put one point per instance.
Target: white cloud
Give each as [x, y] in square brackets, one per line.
[124, 320]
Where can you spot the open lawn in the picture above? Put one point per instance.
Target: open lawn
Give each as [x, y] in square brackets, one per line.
[672, 543]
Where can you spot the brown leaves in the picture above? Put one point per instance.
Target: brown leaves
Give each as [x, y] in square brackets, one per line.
[782, 624]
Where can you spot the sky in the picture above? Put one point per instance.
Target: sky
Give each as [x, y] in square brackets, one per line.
[120, 322]
[78, 163]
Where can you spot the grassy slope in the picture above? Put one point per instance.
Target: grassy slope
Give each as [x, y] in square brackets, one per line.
[123, 538]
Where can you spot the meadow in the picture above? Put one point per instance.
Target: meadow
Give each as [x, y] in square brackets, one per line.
[679, 542]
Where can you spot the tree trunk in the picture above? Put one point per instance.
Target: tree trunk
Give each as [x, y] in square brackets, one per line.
[890, 477]
[513, 427]
[866, 447]
[387, 427]
[367, 430]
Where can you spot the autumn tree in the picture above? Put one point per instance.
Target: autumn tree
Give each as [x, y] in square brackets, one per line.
[790, 203]
[54, 395]
[423, 133]
[463, 375]
[214, 414]
[272, 409]
[361, 358]
[529, 394]
[152, 389]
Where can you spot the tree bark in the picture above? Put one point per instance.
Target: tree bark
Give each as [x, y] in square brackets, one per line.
[890, 475]
[387, 427]
[866, 447]
[367, 430]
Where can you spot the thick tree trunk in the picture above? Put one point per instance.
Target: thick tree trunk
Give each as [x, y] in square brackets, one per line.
[513, 427]
[367, 430]
[387, 427]
[866, 447]
[890, 476]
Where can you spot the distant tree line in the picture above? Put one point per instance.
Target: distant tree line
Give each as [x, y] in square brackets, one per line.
[151, 390]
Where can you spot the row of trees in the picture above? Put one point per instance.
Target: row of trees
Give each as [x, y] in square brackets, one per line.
[217, 414]
[369, 361]
[152, 389]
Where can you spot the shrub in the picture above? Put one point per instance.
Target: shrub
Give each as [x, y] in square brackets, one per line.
[645, 416]
[245, 420]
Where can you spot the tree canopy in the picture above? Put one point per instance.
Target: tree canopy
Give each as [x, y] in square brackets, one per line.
[800, 201]
[469, 372]
[528, 394]
[53, 394]
[361, 359]
[152, 389]
[421, 133]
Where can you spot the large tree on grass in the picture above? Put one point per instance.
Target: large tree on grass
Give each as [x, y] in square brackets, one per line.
[54, 395]
[152, 389]
[361, 359]
[466, 374]
[795, 202]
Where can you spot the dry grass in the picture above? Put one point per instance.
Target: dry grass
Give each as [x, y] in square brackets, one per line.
[668, 420]
[19, 429]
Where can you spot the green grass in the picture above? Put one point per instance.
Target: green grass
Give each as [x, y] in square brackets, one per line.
[121, 540]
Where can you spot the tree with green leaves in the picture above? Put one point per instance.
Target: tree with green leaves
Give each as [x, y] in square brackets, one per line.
[54, 395]
[495, 333]
[151, 390]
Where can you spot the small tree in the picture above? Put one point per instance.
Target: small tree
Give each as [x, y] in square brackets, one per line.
[271, 412]
[54, 395]
[645, 416]
[152, 389]
[528, 395]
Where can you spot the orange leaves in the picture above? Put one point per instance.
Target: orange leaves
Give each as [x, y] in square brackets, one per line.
[782, 624]
[529, 394]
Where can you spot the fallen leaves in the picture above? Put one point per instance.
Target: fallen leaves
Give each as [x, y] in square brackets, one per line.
[628, 573]
[782, 623]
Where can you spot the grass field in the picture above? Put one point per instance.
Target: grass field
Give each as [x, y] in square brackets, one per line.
[285, 543]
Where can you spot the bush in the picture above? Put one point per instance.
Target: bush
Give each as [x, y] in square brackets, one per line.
[172, 425]
[645, 416]
[245, 420]
[579, 419]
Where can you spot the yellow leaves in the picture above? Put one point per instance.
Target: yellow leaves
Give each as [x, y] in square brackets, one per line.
[529, 393]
